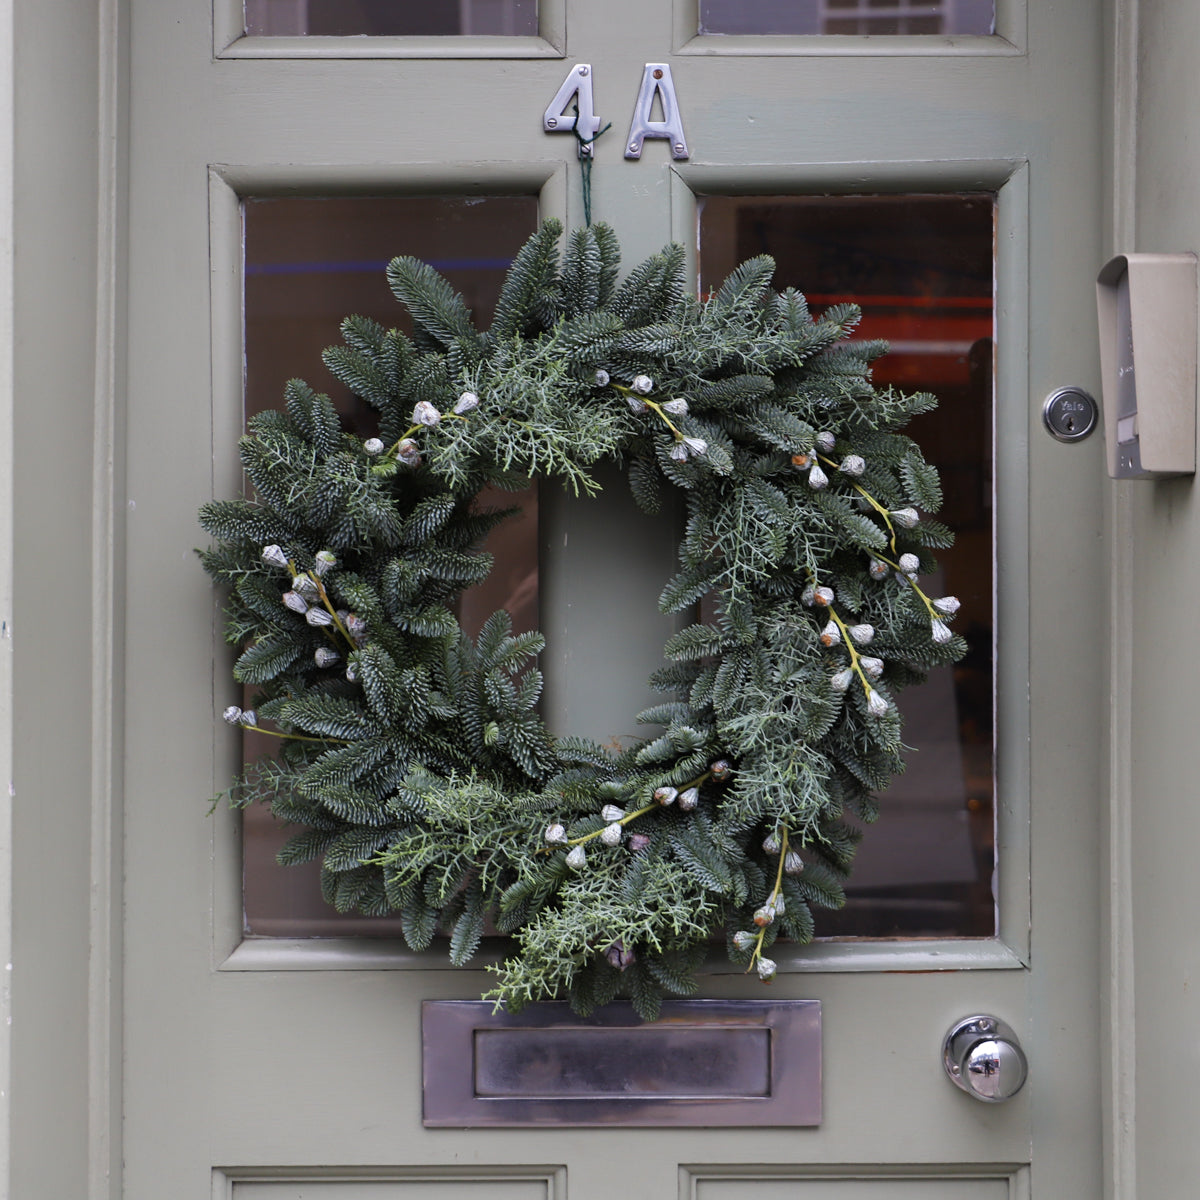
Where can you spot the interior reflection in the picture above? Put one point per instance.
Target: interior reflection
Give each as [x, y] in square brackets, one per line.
[921, 268]
[394, 18]
[309, 261]
[856, 17]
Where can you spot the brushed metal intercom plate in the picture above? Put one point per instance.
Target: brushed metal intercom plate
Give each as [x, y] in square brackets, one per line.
[711, 1063]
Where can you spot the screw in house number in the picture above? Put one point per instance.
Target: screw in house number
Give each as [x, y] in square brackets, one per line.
[1069, 414]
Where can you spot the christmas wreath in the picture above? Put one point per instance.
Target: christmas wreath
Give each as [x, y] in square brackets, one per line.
[414, 757]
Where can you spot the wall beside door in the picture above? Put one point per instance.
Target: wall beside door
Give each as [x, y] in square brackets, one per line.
[1154, 984]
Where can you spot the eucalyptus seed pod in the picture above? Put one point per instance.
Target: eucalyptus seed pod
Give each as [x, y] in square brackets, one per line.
[808, 597]
[665, 795]
[831, 635]
[878, 570]
[232, 714]
[941, 631]
[274, 556]
[876, 704]
[841, 681]
[619, 956]
[556, 835]
[767, 969]
[853, 465]
[466, 403]
[720, 769]
[801, 461]
[910, 564]
[947, 605]
[636, 405]
[356, 627]
[689, 798]
[577, 859]
[326, 657]
[823, 596]
[817, 479]
[872, 667]
[295, 602]
[424, 413]
[677, 407]
[793, 864]
[906, 518]
[764, 916]
[373, 446]
[779, 904]
[697, 447]
[826, 441]
[771, 844]
[318, 617]
[744, 940]
[863, 634]
[324, 561]
[305, 585]
[249, 718]
[678, 452]
[611, 812]
[351, 673]
[601, 378]
[643, 384]
[408, 452]
[612, 834]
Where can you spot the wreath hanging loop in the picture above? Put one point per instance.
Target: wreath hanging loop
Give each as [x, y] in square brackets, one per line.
[414, 757]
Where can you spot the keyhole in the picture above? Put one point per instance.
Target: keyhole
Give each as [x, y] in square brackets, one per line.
[1070, 424]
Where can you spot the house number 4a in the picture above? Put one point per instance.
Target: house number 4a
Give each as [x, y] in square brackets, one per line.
[582, 121]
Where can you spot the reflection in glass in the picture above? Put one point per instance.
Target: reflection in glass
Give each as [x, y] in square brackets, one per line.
[875, 17]
[396, 18]
[310, 261]
[921, 268]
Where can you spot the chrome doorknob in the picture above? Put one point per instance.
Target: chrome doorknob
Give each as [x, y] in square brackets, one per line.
[982, 1056]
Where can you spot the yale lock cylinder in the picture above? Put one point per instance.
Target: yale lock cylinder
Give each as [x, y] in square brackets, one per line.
[1146, 305]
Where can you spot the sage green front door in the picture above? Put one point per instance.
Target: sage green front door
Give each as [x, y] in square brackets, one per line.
[272, 1068]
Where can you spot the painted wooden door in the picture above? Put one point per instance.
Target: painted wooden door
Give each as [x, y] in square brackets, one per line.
[265, 1069]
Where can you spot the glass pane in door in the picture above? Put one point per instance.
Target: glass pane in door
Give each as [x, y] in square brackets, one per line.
[870, 17]
[309, 262]
[921, 268]
[380, 18]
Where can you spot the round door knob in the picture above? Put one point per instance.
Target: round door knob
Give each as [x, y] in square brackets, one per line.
[982, 1056]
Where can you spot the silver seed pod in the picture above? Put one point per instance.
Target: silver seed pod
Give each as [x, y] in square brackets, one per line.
[612, 834]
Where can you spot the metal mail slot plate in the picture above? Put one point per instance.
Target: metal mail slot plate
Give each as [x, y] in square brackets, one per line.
[717, 1063]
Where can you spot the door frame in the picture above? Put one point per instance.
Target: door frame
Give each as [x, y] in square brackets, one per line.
[63, 235]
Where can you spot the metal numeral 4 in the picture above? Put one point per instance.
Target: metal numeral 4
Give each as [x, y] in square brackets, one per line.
[578, 83]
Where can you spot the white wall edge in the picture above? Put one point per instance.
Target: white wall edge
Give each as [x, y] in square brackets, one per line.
[7, 699]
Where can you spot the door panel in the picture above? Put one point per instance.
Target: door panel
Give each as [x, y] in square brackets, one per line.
[270, 1066]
